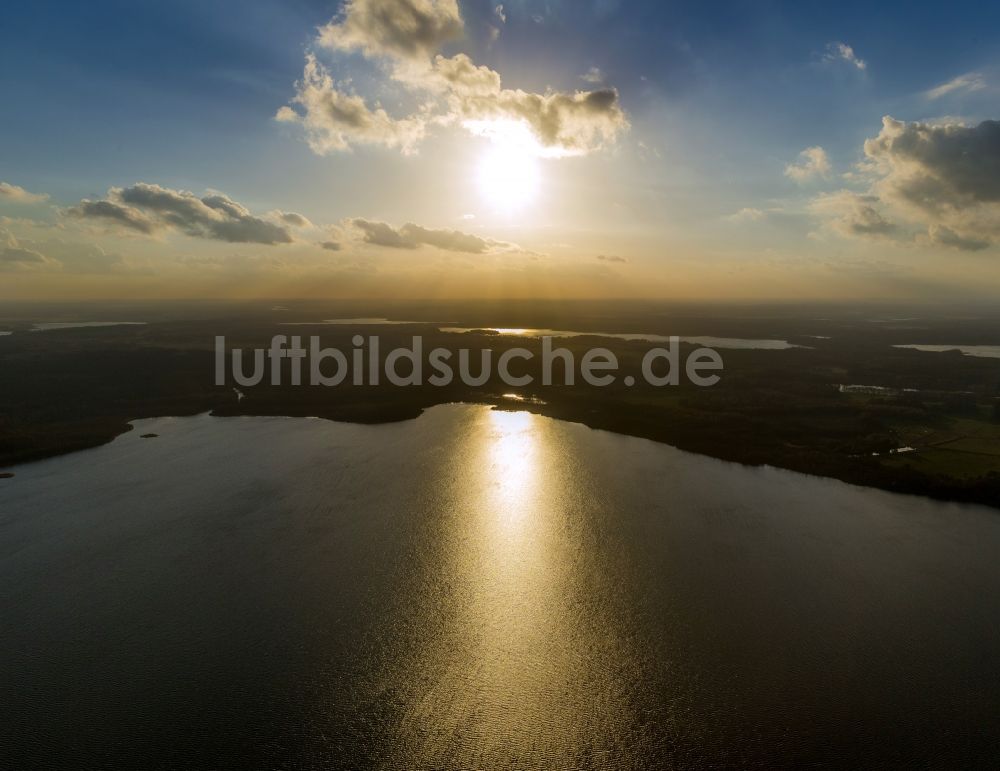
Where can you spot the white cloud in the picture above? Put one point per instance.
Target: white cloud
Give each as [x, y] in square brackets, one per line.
[967, 83]
[838, 51]
[593, 75]
[813, 162]
[411, 29]
[335, 120]
[406, 36]
[17, 194]
[747, 214]
[292, 218]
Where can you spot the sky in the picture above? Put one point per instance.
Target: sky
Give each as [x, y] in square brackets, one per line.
[534, 148]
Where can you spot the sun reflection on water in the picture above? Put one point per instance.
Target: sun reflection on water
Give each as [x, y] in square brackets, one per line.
[513, 453]
[523, 668]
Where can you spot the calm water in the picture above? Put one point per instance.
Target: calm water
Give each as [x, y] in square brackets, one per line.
[710, 342]
[353, 323]
[479, 589]
[49, 326]
[981, 351]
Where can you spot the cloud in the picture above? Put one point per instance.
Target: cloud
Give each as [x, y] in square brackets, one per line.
[149, 209]
[408, 29]
[116, 213]
[406, 36]
[460, 75]
[15, 256]
[938, 166]
[747, 214]
[500, 14]
[851, 214]
[17, 194]
[563, 124]
[837, 51]
[84, 258]
[940, 178]
[293, 219]
[382, 234]
[331, 246]
[335, 120]
[411, 236]
[611, 258]
[945, 236]
[967, 83]
[593, 75]
[813, 162]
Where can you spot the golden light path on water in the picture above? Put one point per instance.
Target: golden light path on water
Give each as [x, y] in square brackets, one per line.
[528, 667]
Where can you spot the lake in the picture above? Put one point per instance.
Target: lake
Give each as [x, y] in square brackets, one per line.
[49, 326]
[735, 343]
[981, 351]
[482, 589]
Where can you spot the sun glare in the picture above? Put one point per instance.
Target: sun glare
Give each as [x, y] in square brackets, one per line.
[509, 176]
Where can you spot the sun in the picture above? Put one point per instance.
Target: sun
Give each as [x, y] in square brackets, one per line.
[508, 174]
[509, 178]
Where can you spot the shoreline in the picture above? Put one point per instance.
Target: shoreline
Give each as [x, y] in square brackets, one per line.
[859, 476]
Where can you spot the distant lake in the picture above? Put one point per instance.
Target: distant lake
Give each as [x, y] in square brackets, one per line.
[353, 323]
[708, 342]
[482, 589]
[981, 351]
[53, 325]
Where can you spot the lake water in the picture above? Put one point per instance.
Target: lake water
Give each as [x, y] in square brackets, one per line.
[482, 589]
[49, 326]
[981, 351]
[373, 322]
[709, 342]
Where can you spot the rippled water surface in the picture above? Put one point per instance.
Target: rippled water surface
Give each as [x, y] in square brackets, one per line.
[482, 589]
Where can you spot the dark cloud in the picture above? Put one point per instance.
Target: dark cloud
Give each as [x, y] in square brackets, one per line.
[381, 234]
[851, 214]
[941, 180]
[411, 236]
[124, 216]
[939, 166]
[939, 234]
[149, 208]
[331, 246]
[611, 258]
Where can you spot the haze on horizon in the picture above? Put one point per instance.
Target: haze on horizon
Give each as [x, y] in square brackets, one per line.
[443, 149]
